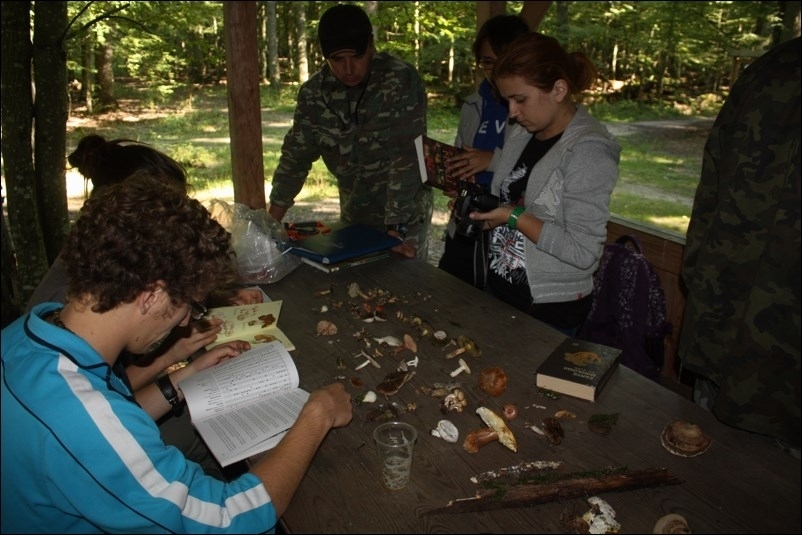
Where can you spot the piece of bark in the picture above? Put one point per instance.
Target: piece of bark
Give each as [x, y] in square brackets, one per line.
[574, 487]
[516, 471]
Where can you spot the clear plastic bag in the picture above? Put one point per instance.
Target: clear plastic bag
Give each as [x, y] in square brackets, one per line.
[260, 242]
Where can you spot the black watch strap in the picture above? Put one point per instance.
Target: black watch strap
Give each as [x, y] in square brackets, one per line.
[169, 392]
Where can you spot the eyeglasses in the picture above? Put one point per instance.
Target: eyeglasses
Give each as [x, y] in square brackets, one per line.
[486, 63]
[196, 310]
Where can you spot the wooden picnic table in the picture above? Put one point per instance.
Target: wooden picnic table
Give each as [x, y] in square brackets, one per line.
[743, 483]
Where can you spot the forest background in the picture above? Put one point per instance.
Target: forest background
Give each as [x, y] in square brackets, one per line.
[156, 72]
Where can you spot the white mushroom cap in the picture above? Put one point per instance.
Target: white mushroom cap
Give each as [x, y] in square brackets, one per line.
[446, 430]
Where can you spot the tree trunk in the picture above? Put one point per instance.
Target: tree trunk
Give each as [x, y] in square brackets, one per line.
[9, 289]
[790, 12]
[105, 76]
[273, 69]
[300, 45]
[562, 24]
[86, 71]
[27, 240]
[50, 142]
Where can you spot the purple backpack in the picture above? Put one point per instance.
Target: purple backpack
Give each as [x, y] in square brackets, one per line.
[629, 307]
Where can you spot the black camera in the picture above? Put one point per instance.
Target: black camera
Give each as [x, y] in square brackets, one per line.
[472, 198]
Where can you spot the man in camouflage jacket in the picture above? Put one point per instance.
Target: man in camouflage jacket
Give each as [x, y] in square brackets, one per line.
[361, 112]
[742, 256]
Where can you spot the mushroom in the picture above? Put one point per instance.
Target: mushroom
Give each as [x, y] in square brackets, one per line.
[390, 341]
[368, 397]
[424, 329]
[478, 438]
[671, 523]
[454, 401]
[446, 430]
[463, 367]
[394, 381]
[601, 517]
[326, 328]
[465, 345]
[510, 411]
[369, 360]
[493, 381]
[439, 338]
[684, 439]
[354, 290]
[496, 430]
[553, 430]
[409, 343]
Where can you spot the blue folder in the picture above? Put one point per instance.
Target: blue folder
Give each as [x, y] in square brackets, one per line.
[344, 243]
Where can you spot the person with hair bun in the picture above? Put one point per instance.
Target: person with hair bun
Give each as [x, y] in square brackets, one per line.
[104, 162]
[557, 171]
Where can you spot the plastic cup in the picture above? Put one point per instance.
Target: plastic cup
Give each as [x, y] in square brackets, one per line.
[395, 444]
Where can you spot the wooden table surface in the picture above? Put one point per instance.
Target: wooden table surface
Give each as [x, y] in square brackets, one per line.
[743, 483]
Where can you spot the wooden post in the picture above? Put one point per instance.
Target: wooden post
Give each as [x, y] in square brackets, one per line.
[244, 108]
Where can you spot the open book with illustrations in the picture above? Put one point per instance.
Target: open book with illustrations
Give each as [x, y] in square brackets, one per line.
[256, 324]
[433, 156]
[245, 405]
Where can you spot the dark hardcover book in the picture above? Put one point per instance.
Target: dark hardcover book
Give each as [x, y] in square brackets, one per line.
[433, 156]
[344, 243]
[353, 262]
[578, 368]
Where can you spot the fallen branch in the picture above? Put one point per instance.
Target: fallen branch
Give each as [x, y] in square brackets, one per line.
[575, 485]
[516, 471]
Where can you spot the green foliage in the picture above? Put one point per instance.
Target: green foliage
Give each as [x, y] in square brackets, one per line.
[669, 60]
[631, 110]
[657, 49]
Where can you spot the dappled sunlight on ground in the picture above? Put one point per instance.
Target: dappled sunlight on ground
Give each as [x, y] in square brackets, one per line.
[678, 224]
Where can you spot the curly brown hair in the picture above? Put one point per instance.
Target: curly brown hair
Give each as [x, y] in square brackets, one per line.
[140, 231]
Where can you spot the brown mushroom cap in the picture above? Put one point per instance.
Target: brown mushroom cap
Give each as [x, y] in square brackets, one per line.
[671, 523]
[493, 381]
[684, 439]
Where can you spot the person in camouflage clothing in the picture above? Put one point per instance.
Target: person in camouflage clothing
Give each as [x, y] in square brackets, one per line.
[741, 331]
[361, 112]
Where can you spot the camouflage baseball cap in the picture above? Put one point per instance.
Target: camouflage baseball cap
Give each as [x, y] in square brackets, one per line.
[344, 27]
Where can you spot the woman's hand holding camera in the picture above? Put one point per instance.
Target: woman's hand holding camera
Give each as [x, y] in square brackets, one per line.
[493, 218]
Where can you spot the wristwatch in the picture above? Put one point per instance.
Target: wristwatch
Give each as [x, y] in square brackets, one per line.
[399, 228]
[169, 392]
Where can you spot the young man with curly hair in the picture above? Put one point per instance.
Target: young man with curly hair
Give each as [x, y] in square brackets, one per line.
[80, 454]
